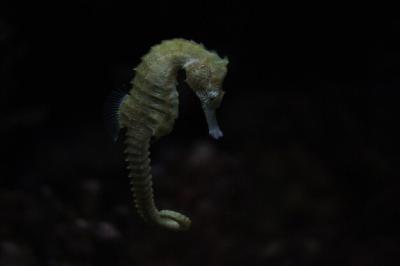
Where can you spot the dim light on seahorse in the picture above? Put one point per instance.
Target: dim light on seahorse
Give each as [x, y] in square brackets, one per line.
[150, 108]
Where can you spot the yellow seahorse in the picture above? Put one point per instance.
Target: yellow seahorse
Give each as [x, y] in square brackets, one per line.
[150, 108]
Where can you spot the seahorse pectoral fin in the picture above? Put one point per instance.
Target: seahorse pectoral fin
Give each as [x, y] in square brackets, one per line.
[213, 127]
[111, 112]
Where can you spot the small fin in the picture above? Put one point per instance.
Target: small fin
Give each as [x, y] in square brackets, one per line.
[111, 112]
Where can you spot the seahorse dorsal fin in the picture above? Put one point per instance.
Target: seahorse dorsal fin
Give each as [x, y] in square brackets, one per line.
[111, 112]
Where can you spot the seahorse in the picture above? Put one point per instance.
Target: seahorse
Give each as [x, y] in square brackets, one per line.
[150, 108]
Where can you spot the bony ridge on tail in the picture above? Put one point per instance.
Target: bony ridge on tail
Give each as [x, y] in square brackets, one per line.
[150, 108]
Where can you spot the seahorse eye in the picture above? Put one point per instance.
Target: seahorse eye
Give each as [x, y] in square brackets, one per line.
[215, 99]
[212, 94]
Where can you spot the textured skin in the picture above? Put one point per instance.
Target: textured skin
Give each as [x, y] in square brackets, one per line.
[151, 107]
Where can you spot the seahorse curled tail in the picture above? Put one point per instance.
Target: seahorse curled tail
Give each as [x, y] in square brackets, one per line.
[137, 157]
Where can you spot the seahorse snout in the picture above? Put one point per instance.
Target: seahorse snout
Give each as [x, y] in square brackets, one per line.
[213, 127]
[216, 133]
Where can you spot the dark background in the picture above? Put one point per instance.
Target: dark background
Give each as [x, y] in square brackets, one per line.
[306, 173]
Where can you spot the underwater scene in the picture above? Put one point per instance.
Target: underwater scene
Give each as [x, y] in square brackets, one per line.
[205, 133]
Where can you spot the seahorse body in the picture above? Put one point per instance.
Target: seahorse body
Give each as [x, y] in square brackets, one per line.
[151, 107]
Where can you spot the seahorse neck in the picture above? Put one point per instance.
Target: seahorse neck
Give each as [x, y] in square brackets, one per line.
[167, 58]
[179, 61]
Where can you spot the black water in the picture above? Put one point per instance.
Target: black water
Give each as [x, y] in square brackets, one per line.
[306, 173]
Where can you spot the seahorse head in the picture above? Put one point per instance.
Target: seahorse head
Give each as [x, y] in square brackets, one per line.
[205, 77]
